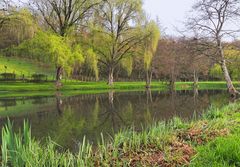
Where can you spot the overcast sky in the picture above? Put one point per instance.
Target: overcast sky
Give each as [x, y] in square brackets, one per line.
[170, 12]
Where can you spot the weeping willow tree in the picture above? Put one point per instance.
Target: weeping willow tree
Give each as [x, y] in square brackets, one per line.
[92, 62]
[51, 48]
[150, 46]
[127, 65]
[18, 26]
[117, 33]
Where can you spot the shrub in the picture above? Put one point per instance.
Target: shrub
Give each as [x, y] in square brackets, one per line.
[8, 76]
[39, 77]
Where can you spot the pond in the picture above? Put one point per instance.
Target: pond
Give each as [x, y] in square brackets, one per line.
[68, 119]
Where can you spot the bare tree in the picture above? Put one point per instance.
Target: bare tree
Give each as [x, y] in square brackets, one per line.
[215, 21]
[4, 9]
[60, 15]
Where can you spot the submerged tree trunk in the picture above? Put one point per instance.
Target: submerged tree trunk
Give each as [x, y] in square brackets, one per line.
[231, 89]
[148, 79]
[110, 76]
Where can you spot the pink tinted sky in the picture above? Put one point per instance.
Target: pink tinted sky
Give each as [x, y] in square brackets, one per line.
[171, 13]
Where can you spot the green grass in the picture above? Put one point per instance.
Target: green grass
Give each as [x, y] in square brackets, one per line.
[222, 152]
[21, 66]
[214, 137]
[27, 67]
[97, 86]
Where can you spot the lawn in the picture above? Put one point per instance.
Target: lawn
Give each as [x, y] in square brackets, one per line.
[101, 86]
[21, 66]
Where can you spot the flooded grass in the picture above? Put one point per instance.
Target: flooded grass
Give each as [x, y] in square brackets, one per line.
[211, 141]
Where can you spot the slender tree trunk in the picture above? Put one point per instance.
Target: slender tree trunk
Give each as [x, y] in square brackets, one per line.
[110, 76]
[172, 82]
[195, 84]
[148, 79]
[59, 73]
[231, 89]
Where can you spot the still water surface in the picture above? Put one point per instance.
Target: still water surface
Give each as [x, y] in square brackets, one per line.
[68, 119]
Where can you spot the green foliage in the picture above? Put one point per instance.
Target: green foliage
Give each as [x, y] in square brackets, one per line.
[233, 63]
[216, 71]
[49, 47]
[127, 64]
[92, 61]
[117, 34]
[150, 43]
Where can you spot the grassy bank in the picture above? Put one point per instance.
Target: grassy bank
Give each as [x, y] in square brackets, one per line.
[21, 66]
[212, 140]
[67, 86]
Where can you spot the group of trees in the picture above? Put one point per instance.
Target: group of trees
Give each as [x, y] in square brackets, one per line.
[70, 33]
[115, 38]
[216, 21]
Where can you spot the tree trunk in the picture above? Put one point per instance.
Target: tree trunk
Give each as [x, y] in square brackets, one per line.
[231, 89]
[195, 84]
[110, 76]
[172, 82]
[148, 79]
[59, 73]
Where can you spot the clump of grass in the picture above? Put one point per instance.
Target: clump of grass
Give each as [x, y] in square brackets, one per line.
[13, 144]
[20, 149]
[213, 113]
[224, 151]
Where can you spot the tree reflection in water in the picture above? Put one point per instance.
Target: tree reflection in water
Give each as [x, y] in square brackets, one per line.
[68, 119]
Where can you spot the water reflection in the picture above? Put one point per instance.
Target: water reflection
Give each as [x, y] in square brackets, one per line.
[68, 119]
